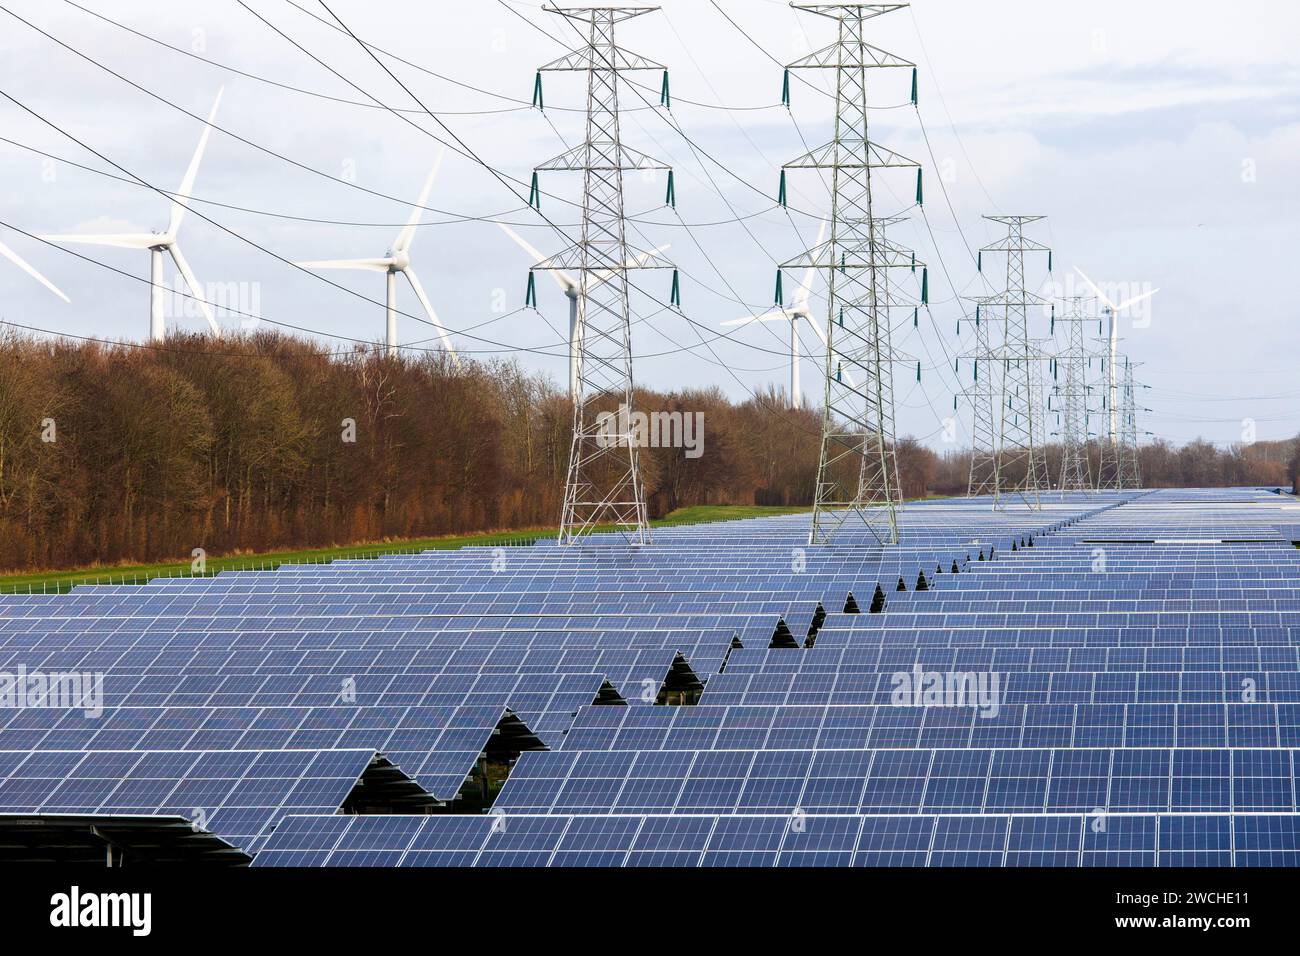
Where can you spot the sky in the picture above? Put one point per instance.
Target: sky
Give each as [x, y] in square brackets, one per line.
[1161, 140]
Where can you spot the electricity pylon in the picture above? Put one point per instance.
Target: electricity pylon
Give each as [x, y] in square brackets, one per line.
[1016, 426]
[1040, 355]
[856, 472]
[604, 480]
[888, 303]
[1119, 456]
[1072, 393]
[982, 395]
[1130, 473]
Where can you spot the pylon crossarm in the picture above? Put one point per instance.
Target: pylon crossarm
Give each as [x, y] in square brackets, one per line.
[583, 156]
[849, 11]
[854, 258]
[870, 156]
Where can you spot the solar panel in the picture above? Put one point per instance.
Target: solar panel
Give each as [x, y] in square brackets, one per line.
[728, 696]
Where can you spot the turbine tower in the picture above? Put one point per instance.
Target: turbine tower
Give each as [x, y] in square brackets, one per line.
[397, 261]
[1076, 471]
[1018, 467]
[164, 242]
[1110, 469]
[27, 267]
[573, 293]
[856, 478]
[801, 309]
[604, 478]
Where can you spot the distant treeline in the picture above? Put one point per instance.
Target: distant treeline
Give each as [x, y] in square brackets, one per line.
[1197, 464]
[118, 453]
[121, 453]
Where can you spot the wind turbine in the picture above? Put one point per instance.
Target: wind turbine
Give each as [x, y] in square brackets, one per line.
[572, 290]
[799, 309]
[164, 242]
[1112, 311]
[398, 260]
[23, 264]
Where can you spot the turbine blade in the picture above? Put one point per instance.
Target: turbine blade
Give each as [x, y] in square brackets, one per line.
[195, 289]
[1135, 300]
[23, 264]
[805, 287]
[773, 315]
[180, 202]
[1100, 295]
[821, 333]
[433, 316]
[371, 265]
[124, 240]
[563, 279]
[404, 238]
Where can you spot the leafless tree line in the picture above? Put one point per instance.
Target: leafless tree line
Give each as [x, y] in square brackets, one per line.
[1198, 464]
[116, 453]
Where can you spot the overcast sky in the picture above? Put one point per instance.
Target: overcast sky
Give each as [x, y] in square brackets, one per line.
[1161, 140]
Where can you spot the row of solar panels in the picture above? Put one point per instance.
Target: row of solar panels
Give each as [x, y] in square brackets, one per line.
[874, 726]
[994, 840]
[240, 795]
[718, 586]
[903, 781]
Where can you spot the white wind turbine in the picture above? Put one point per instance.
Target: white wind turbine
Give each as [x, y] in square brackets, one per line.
[398, 259]
[1112, 311]
[572, 291]
[158, 243]
[800, 309]
[23, 264]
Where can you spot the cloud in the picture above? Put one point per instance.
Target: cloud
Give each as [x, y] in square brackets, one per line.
[1135, 150]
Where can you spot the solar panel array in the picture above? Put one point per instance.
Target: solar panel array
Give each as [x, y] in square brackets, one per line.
[1112, 679]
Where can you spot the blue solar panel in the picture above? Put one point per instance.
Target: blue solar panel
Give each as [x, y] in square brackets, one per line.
[707, 701]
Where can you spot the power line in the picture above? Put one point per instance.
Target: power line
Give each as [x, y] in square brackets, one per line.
[192, 296]
[453, 220]
[415, 98]
[270, 152]
[522, 105]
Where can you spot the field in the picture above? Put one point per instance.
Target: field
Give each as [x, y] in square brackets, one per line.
[54, 581]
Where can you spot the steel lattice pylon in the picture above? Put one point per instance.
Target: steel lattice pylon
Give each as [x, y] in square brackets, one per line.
[1040, 355]
[1076, 472]
[857, 475]
[983, 398]
[604, 478]
[1119, 459]
[889, 358]
[1130, 473]
[1018, 468]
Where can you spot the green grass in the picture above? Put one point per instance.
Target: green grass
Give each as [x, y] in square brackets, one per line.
[53, 581]
[697, 514]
